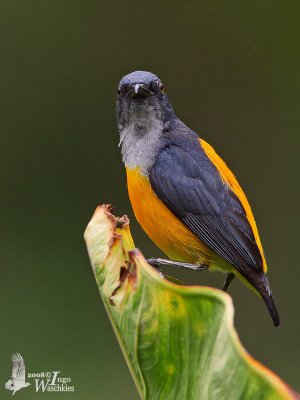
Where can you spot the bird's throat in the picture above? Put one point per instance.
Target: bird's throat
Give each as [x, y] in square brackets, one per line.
[140, 143]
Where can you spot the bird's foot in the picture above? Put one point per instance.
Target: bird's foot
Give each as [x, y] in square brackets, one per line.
[156, 267]
[161, 262]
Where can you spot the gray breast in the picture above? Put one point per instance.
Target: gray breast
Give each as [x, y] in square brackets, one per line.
[140, 143]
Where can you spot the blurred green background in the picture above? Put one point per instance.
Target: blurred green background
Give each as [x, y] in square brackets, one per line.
[231, 70]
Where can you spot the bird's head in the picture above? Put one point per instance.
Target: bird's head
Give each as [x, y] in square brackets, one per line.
[10, 385]
[141, 98]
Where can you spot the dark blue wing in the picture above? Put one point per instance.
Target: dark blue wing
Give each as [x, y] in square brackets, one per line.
[189, 184]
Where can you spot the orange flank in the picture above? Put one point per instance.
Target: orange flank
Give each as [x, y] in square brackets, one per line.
[228, 177]
[166, 230]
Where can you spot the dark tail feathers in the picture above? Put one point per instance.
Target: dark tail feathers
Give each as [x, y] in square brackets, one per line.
[266, 295]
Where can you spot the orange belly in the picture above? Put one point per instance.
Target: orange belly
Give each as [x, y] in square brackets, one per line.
[166, 230]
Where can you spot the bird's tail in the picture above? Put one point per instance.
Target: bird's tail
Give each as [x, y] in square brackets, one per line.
[266, 294]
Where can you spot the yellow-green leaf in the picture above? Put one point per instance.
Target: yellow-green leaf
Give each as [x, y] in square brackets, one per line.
[179, 341]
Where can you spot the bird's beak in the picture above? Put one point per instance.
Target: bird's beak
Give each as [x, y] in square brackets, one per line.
[138, 90]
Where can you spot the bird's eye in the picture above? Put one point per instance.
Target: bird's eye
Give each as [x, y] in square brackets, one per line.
[118, 91]
[160, 86]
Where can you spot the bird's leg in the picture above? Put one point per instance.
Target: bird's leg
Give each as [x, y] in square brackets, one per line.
[229, 278]
[161, 262]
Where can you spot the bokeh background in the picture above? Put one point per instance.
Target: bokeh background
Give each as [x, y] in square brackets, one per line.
[231, 70]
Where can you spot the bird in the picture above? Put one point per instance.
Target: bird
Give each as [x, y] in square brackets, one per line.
[17, 380]
[183, 194]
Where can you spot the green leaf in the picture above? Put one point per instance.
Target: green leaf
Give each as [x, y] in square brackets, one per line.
[179, 341]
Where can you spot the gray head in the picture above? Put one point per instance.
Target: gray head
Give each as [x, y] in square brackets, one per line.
[141, 97]
[144, 114]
